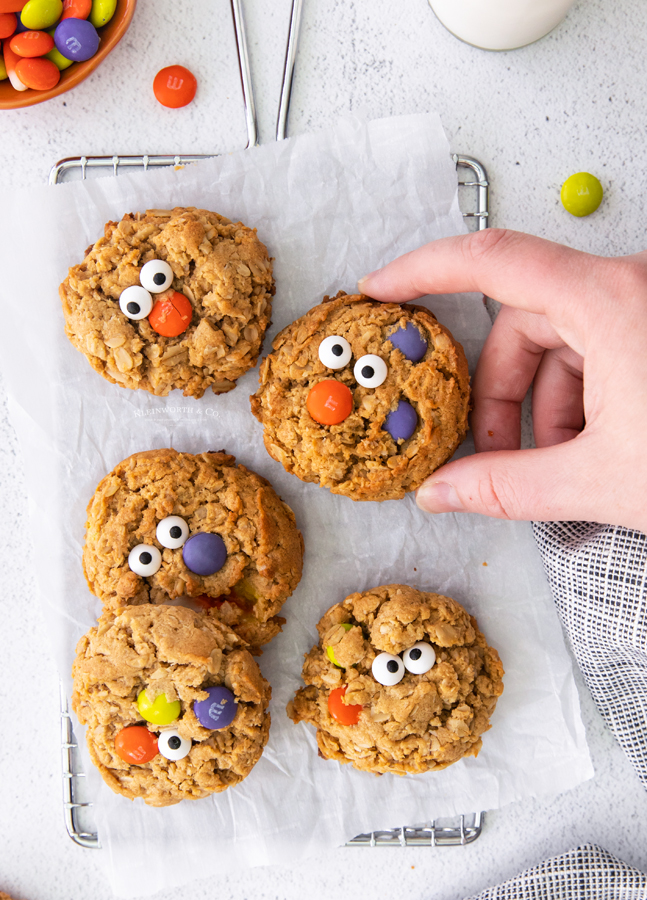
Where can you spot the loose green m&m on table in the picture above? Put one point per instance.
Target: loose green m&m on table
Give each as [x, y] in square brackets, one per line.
[581, 194]
[160, 711]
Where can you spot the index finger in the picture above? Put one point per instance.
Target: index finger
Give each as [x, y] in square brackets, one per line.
[517, 269]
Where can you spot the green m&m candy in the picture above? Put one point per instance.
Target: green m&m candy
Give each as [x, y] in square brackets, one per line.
[160, 711]
[581, 194]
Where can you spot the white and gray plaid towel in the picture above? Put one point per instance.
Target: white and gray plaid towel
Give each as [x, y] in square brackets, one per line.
[586, 873]
[598, 576]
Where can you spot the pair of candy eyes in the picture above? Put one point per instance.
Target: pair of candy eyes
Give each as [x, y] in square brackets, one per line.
[389, 669]
[136, 301]
[145, 559]
[335, 353]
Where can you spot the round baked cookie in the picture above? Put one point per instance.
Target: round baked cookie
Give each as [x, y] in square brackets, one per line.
[167, 525]
[365, 398]
[401, 681]
[177, 657]
[149, 339]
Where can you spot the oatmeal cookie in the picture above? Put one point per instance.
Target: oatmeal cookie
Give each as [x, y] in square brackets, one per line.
[401, 681]
[167, 525]
[171, 299]
[158, 744]
[365, 398]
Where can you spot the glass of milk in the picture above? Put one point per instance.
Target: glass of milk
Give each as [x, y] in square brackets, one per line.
[500, 24]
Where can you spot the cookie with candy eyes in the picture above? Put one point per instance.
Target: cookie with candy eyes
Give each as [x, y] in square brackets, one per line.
[401, 681]
[365, 398]
[174, 704]
[197, 529]
[171, 299]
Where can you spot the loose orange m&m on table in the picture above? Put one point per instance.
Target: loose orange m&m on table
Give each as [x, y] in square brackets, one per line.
[136, 744]
[171, 315]
[175, 86]
[330, 402]
[345, 714]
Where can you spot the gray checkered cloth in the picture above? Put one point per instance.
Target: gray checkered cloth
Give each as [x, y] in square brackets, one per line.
[586, 873]
[598, 576]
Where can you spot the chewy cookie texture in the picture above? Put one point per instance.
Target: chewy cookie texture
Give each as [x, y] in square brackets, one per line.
[223, 275]
[365, 398]
[237, 550]
[176, 656]
[401, 681]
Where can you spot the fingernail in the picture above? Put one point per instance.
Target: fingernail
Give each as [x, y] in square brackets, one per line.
[438, 497]
[364, 279]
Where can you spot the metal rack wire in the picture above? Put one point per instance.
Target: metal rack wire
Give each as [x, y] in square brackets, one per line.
[474, 200]
[79, 165]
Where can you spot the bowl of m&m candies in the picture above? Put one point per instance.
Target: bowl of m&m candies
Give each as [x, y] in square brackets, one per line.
[50, 46]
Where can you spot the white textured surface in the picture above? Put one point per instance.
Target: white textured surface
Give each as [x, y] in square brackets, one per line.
[573, 101]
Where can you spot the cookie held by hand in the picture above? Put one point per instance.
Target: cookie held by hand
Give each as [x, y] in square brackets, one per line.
[401, 681]
[174, 704]
[171, 299]
[167, 525]
[364, 398]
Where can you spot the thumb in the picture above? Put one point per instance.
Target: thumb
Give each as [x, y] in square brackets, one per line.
[548, 484]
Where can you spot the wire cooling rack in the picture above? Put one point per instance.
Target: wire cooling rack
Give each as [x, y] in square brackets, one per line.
[474, 203]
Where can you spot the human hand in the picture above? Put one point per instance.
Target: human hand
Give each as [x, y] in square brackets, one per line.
[575, 327]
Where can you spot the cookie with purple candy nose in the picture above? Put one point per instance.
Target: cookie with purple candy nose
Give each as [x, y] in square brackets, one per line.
[198, 529]
[364, 398]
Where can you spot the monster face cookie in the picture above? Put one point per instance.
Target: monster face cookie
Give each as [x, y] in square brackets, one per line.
[167, 525]
[401, 681]
[174, 704]
[171, 299]
[364, 398]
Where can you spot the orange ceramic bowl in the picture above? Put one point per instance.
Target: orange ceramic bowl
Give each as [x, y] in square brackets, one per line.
[110, 35]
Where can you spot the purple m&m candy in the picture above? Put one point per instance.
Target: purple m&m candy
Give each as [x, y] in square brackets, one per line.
[204, 553]
[410, 342]
[218, 710]
[402, 421]
[76, 39]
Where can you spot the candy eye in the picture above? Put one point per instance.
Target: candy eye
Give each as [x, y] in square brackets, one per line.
[419, 658]
[144, 560]
[135, 302]
[172, 746]
[172, 532]
[387, 669]
[335, 352]
[156, 276]
[370, 371]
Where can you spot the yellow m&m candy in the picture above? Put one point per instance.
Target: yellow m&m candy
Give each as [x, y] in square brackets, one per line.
[329, 650]
[160, 711]
[581, 194]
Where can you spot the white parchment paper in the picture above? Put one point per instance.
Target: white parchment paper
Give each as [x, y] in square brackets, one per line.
[331, 207]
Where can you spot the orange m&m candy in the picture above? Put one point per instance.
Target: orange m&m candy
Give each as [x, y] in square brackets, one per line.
[8, 24]
[136, 744]
[38, 74]
[171, 314]
[175, 86]
[14, 6]
[330, 402]
[345, 715]
[29, 44]
[76, 9]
